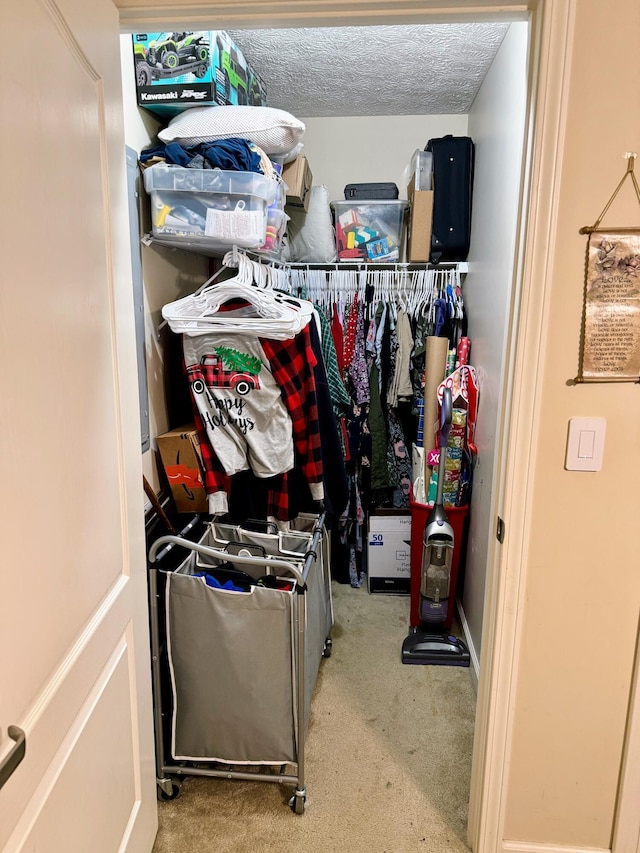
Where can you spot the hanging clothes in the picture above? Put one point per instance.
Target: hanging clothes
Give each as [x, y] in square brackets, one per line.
[379, 440]
[401, 386]
[250, 365]
[357, 369]
[339, 397]
[369, 375]
[291, 363]
[399, 462]
[240, 404]
[336, 486]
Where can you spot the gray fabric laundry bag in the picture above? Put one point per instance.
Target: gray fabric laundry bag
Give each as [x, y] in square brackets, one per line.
[230, 658]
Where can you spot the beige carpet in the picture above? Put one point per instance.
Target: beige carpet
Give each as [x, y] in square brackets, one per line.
[388, 756]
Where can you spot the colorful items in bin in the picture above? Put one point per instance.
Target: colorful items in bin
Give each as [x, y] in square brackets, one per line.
[359, 236]
[453, 463]
[179, 219]
[461, 449]
[369, 231]
[417, 456]
[276, 222]
[270, 240]
[276, 218]
[451, 362]
[200, 220]
[378, 250]
[463, 383]
[212, 208]
[349, 219]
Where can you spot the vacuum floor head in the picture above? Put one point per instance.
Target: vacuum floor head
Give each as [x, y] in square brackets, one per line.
[421, 647]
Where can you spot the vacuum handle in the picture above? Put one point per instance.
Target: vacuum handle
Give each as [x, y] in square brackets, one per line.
[446, 416]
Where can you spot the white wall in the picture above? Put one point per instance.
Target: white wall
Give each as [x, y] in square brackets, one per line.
[140, 126]
[577, 645]
[168, 273]
[496, 124]
[370, 148]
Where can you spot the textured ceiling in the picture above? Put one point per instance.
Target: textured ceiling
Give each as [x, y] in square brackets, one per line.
[348, 71]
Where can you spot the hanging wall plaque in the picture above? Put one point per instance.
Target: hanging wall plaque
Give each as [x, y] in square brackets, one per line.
[610, 346]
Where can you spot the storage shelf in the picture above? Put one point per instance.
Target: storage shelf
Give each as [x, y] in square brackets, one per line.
[462, 267]
[216, 252]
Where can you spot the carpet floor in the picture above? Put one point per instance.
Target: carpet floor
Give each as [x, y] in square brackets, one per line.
[388, 756]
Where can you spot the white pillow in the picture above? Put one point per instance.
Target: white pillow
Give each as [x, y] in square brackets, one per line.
[275, 131]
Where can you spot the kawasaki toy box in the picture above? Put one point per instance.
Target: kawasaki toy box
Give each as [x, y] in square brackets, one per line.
[178, 70]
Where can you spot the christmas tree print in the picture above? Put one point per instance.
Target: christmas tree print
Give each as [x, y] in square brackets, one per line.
[240, 362]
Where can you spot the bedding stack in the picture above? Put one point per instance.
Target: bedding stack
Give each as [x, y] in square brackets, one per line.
[215, 178]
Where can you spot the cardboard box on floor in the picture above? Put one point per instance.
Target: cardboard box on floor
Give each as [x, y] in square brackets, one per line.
[389, 551]
[180, 454]
[420, 223]
[298, 178]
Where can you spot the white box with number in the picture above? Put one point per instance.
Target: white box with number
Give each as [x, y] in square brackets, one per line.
[389, 552]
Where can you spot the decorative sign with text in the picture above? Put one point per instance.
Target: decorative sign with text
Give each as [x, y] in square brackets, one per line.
[612, 307]
[610, 345]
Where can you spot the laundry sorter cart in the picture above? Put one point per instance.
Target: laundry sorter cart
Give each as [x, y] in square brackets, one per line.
[233, 671]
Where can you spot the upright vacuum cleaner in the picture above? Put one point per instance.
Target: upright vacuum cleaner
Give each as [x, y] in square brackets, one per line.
[431, 643]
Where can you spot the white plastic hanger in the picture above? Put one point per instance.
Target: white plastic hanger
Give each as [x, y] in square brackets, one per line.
[266, 313]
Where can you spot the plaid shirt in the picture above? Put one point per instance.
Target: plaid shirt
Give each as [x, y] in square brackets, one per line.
[340, 400]
[291, 363]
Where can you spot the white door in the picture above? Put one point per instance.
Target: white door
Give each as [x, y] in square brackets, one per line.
[74, 655]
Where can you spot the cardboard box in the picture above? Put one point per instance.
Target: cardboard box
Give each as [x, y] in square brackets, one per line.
[298, 178]
[420, 222]
[389, 552]
[178, 70]
[180, 453]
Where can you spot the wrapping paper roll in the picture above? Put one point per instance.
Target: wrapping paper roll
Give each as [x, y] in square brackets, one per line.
[434, 368]
[462, 355]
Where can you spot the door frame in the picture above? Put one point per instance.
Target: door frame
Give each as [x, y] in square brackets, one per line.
[551, 34]
[626, 827]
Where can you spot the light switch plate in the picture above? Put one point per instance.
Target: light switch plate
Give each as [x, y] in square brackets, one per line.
[585, 445]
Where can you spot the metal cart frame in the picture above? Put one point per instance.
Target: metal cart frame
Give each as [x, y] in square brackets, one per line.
[168, 770]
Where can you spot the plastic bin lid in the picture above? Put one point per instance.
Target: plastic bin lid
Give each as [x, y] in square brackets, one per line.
[369, 202]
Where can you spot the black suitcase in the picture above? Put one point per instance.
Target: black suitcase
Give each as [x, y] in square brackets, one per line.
[453, 162]
[370, 192]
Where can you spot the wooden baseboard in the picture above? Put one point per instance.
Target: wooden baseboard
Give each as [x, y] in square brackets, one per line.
[475, 662]
[541, 847]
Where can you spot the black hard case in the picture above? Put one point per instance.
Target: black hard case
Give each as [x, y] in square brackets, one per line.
[371, 192]
[453, 164]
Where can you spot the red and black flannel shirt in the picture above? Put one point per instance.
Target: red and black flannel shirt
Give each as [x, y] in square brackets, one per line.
[291, 362]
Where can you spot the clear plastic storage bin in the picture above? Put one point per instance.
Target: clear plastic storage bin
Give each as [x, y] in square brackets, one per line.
[276, 226]
[369, 231]
[209, 208]
[421, 169]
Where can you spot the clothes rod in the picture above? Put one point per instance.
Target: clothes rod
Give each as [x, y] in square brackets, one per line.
[462, 266]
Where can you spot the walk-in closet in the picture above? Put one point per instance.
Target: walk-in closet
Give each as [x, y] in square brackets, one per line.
[426, 712]
[114, 734]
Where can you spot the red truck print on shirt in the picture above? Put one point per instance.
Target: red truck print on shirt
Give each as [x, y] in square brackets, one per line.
[212, 373]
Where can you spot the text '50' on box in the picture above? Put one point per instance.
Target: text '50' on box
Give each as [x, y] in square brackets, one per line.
[389, 552]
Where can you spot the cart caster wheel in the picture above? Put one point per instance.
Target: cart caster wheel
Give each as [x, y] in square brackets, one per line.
[296, 803]
[166, 796]
[328, 646]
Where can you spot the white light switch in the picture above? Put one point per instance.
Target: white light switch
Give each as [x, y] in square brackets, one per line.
[585, 447]
[586, 444]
